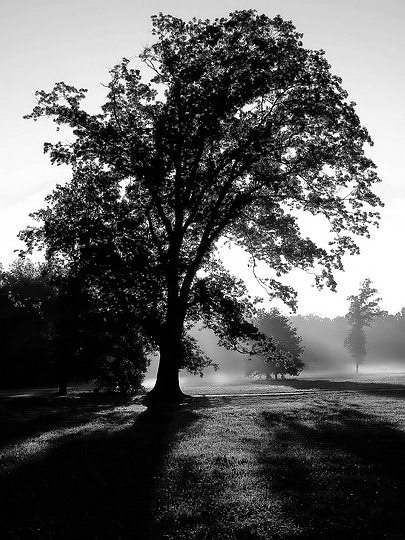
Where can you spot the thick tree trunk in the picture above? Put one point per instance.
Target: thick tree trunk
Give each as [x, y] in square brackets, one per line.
[167, 387]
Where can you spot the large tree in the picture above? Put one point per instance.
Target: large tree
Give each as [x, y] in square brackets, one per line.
[364, 307]
[238, 128]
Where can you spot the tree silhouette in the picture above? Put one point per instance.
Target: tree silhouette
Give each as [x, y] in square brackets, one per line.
[53, 332]
[277, 326]
[363, 308]
[92, 339]
[239, 127]
[25, 300]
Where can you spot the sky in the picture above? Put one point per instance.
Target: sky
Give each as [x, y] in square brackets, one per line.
[78, 41]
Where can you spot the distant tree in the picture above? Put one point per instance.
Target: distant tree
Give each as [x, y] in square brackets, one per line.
[364, 307]
[277, 326]
[239, 128]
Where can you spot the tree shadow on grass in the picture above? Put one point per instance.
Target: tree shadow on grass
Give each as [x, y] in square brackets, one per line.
[340, 472]
[319, 469]
[29, 416]
[99, 484]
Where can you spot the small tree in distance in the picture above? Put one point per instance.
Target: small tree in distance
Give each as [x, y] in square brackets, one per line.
[239, 128]
[362, 310]
[286, 359]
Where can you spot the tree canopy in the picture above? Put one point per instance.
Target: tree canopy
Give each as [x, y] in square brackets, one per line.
[238, 128]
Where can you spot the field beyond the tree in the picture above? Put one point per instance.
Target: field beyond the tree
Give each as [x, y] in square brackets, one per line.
[305, 458]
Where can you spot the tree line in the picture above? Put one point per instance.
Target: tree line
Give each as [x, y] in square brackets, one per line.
[54, 334]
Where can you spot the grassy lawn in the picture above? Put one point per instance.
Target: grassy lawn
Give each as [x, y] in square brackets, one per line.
[322, 464]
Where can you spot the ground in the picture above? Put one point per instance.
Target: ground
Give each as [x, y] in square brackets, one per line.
[305, 458]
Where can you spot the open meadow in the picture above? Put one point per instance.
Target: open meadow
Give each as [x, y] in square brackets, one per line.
[304, 458]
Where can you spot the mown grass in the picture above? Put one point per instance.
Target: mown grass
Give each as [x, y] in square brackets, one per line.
[318, 465]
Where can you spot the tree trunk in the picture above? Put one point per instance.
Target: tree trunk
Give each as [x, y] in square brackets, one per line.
[62, 374]
[357, 367]
[167, 387]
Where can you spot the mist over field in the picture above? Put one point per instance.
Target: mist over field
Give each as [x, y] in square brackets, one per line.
[324, 353]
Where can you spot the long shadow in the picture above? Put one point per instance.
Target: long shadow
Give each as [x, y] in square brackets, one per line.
[339, 473]
[341, 469]
[382, 389]
[99, 486]
[29, 416]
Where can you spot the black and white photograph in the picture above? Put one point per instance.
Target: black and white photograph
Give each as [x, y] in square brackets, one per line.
[202, 299]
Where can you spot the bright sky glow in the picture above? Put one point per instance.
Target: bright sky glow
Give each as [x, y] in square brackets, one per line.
[78, 41]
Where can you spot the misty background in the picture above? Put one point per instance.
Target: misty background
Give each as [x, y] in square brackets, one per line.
[324, 353]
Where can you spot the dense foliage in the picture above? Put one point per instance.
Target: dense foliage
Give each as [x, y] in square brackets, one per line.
[26, 299]
[53, 333]
[239, 128]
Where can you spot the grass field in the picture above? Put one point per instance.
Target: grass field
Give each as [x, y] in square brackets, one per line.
[306, 459]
